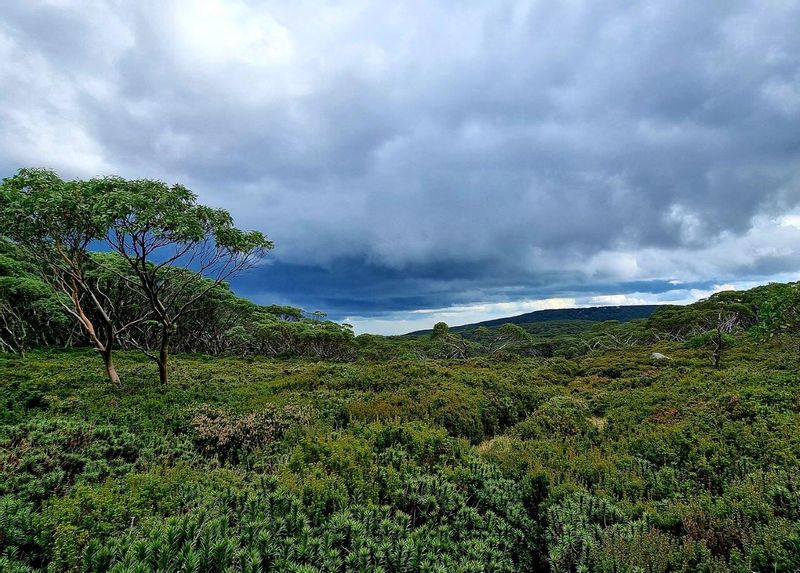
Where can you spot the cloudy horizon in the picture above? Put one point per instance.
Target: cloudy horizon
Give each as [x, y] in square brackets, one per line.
[425, 161]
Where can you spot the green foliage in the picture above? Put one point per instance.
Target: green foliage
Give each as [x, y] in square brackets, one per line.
[778, 309]
[216, 322]
[31, 313]
[601, 459]
[45, 456]
[171, 244]
[602, 463]
[564, 416]
[573, 525]
[168, 242]
[42, 212]
[506, 338]
[275, 336]
[440, 330]
[54, 222]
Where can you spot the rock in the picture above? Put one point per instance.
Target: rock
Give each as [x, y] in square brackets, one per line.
[659, 356]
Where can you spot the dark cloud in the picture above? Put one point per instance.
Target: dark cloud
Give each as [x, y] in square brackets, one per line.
[430, 154]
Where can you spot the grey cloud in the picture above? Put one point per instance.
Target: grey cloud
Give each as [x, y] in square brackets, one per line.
[537, 144]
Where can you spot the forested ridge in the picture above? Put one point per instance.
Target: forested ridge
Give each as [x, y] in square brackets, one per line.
[533, 320]
[151, 420]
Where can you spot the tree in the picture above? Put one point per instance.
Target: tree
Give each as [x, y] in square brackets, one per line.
[278, 331]
[716, 338]
[54, 222]
[212, 324]
[450, 345]
[170, 242]
[612, 334]
[719, 318]
[505, 337]
[289, 313]
[708, 323]
[673, 322]
[440, 330]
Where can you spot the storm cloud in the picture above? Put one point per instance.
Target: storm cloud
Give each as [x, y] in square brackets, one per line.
[420, 160]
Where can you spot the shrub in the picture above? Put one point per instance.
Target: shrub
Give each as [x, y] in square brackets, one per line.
[220, 433]
[563, 416]
[43, 457]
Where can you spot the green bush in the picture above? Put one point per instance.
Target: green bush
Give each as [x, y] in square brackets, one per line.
[218, 432]
[43, 457]
[560, 416]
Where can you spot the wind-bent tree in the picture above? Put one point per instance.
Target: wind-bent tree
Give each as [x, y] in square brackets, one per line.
[54, 222]
[719, 335]
[505, 337]
[275, 336]
[720, 317]
[450, 345]
[170, 243]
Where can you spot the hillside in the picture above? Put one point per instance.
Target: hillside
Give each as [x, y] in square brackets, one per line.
[590, 314]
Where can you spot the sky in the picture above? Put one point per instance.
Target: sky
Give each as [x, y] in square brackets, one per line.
[431, 160]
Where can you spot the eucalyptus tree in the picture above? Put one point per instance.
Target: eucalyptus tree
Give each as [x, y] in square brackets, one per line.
[171, 242]
[325, 339]
[214, 324]
[55, 222]
[503, 338]
[719, 318]
[451, 345]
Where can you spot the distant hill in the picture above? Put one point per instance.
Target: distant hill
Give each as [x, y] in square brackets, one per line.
[586, 316]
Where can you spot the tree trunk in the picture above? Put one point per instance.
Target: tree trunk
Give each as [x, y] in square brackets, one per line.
[111, 371]
[163, 375]
[163, 354]
[103, 347]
